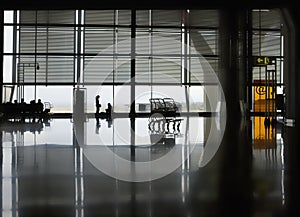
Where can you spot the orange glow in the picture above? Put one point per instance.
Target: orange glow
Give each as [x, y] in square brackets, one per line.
[263, 137]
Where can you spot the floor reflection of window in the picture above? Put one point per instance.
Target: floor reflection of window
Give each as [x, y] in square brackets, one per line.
[9, 181]
[79, 182]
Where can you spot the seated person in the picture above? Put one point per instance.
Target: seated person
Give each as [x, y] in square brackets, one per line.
[23, 106]
[40, 106]
[109, 109]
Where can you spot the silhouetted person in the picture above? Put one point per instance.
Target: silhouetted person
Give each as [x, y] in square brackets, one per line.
[32, 110]
[108, 110]
[98, 105]
[15, 109]
[23, 109]
[23, 103]
[40, 108]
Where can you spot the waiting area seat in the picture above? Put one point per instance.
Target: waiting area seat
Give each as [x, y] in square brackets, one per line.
[25, 110]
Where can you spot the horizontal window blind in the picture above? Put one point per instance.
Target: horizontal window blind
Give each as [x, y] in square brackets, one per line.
[123, 40]
[166, 17]
[27, 39]
[144, 41]
[143, 70]
[124, 17]
[106, 45]
[27, 69]
[204, 18]
[98, 17]
[159, 55]
[107, 40]
[101, 69]
[166, 41]
[142, 17]
[123, 70]
[42, 44]
[47, 17]
[60, 69]
[158, 41]
[51, 69]
[203, 70]
[158, 70]
[61, 40]
[46, 40]
[266, 19]
[166, 70]
[97, 40]
[98, 69]
[266, 44]
[203, 42]
[200, 18]
[107, 17]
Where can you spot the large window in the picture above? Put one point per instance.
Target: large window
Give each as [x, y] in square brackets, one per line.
[96, 48]
[267, 41]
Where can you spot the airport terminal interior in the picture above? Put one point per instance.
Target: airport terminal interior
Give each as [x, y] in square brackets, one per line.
[149, 112]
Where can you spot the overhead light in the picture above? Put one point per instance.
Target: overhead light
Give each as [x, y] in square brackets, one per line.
[261, 10]
[37, 66]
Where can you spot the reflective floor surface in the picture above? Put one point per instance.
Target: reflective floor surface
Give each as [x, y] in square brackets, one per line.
[56, 169]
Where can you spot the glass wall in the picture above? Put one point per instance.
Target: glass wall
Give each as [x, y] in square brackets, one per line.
[109, 52]
[267, 42]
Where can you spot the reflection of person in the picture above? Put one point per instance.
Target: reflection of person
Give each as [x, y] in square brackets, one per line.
[109, 123]
[98, 105]
[98, 125]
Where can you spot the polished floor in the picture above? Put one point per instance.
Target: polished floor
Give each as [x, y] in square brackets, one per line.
[50, 170]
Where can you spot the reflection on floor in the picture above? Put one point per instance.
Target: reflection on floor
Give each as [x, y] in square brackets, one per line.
[46, 173]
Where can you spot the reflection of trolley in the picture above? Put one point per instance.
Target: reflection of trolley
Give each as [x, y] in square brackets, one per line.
[165, 106]
[162, 125]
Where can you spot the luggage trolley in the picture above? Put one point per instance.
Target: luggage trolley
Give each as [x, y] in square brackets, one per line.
[167, 108]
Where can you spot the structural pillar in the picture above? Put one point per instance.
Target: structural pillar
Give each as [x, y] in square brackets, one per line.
[132, 63]
[232, 79]
[132, 85]
[291, 136]
[1, 53]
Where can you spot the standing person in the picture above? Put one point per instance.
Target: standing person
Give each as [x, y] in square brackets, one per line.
[40, 106]
[98, 105]
[40, 109]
